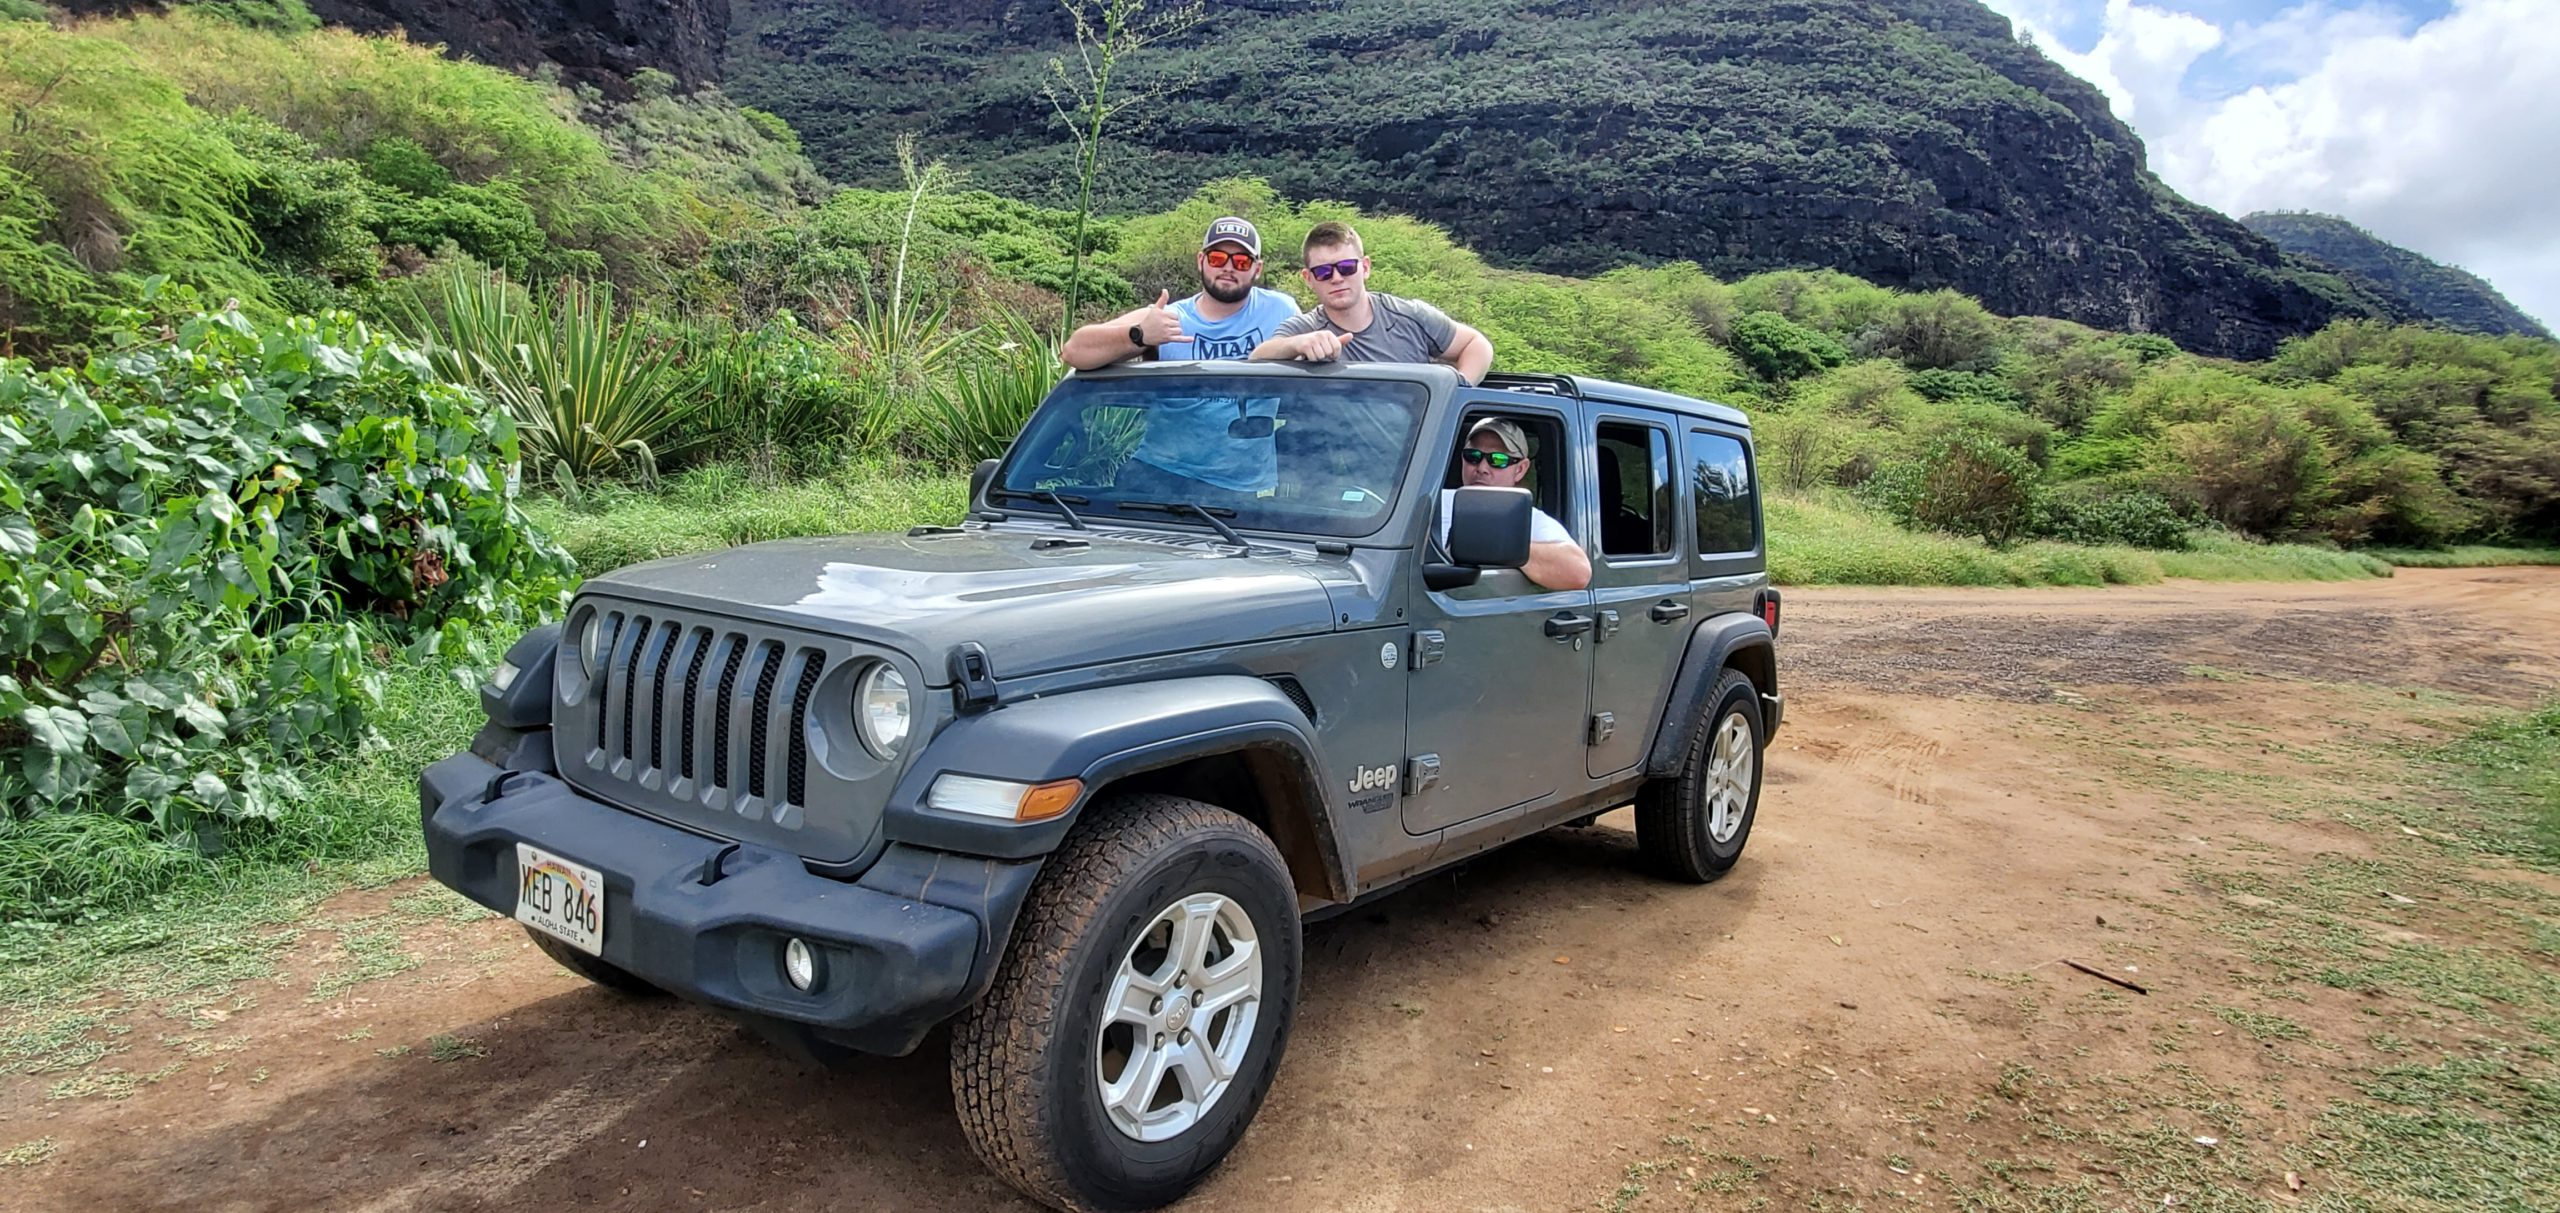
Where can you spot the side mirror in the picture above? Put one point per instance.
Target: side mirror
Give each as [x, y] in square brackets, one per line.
[979, 478]
[1489, 527]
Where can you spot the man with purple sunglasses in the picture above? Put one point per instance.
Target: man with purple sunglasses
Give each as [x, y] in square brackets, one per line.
[1356, 324]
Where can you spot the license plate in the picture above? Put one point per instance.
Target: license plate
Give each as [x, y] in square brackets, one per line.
[560, 898]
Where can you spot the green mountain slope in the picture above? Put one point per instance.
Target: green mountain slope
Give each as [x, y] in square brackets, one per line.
[2457, 297]
[1914, 143]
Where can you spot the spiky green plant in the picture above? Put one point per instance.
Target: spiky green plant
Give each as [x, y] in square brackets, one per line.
[589, 398]
[977, 414]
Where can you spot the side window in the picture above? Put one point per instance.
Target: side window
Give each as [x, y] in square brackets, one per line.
[1635, 491]
[1728, 504]
[1544, 473]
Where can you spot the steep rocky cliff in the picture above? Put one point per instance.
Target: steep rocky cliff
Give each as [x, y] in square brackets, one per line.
[2454, 296]
[1913, 142]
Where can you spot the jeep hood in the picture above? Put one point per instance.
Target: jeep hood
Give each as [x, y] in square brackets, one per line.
[1036, 603]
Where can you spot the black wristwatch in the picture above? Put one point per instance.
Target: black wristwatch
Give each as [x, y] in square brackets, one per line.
[1138, 336]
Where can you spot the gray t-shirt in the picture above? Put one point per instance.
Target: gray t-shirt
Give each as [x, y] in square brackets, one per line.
[1400, 330]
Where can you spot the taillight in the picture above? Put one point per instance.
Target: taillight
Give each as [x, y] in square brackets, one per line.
[1767, 609]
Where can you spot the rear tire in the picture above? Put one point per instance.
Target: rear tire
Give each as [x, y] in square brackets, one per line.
[611, 977]
[1140, 1011]
[1692, 827]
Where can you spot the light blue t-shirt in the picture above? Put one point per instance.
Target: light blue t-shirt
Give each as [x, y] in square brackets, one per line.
[1234, 337]
[1193, 437]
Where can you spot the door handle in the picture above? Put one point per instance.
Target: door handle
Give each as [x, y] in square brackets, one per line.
[1666, 610]
[1564, 624]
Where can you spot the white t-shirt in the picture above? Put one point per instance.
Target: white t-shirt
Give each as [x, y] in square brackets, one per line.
[1543, 528]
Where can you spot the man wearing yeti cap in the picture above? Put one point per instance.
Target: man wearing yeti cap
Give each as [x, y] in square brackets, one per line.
[1230, 315]
[1190, 452]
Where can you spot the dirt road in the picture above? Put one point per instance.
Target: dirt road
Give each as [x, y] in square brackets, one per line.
[1970, 787]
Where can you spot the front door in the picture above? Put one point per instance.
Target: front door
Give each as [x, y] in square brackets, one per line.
[1501, 672]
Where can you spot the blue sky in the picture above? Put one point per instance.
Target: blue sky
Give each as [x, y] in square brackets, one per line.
[2433, 123]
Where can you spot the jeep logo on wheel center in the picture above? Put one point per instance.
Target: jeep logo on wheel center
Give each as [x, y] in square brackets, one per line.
[1054, 774]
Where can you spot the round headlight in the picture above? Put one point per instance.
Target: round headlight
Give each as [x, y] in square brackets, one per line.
[591, 642]
[880, 702]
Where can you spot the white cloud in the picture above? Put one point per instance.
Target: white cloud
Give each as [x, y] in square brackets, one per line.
[2442, 137]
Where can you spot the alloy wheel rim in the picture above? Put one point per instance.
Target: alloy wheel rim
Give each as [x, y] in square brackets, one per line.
[1178, 1017]
[1729, 767]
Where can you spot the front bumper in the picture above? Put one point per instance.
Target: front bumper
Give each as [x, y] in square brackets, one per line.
[911, 942]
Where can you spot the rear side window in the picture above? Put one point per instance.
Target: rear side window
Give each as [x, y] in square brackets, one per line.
[1728, 501]
[1636, 502]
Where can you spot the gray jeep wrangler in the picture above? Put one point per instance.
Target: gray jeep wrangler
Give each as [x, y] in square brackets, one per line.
[1072, 774]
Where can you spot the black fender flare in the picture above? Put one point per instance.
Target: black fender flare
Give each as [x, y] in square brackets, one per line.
[1105, 734]
[525, 702]
[1714, 645]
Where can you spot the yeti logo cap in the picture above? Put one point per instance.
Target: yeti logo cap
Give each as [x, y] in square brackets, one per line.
[1234, 229]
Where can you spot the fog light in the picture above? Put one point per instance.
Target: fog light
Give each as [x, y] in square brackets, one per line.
[800, 964]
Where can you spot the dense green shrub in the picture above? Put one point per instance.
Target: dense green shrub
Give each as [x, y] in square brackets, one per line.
[112, 166]
[491, 222]
[1931, 426]
[1826, 301]
[312, 215]
[1967, 484]
[1944, 385]
[1941, 330]
[2255, 468]
[2103, 513]
[765, 394]
[1807, 449]
[190, 529]
[1781, 351]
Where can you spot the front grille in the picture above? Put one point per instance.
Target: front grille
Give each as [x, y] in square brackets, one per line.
[796, 789]
[720, 713]
[770, 657]
[665, 679]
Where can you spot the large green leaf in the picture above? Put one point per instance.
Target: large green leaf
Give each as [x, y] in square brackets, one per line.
[60, 730]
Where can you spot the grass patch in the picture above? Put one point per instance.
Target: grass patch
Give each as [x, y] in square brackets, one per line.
[2512, 767]
[2452, 1071]
[2260, 1025]
[2465, 556]
[366, 952]
[229, 920]
[1832, 539]
[453, 1048]
[719, 506]
[2468, 1133]
[28, 1153]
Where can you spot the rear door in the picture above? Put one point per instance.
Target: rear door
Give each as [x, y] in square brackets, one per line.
[1728, 558]
[1639, 580]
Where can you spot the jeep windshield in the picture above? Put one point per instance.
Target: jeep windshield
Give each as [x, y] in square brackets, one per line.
[1314, 456]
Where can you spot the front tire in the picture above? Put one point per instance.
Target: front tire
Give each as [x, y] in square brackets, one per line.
[1139, 1014]
[1692, 827]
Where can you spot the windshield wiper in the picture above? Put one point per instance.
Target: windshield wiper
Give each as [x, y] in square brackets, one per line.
[1050, 496]
[1208, 514]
